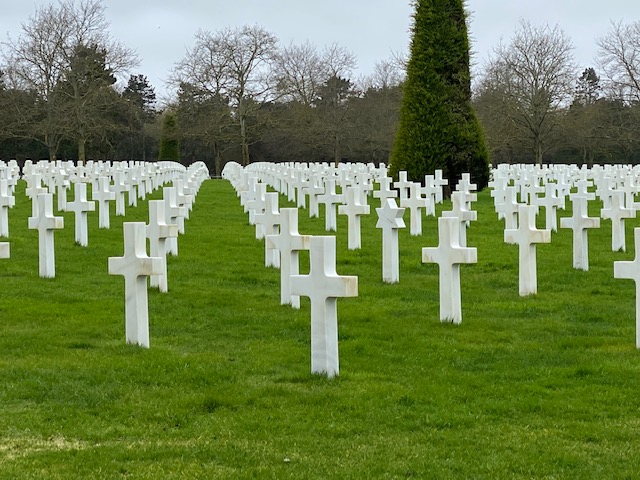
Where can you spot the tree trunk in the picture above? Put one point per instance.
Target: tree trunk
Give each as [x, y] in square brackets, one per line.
[243, 137]
[81, 151]
[538, 150]
[217, 160]
[336, 149]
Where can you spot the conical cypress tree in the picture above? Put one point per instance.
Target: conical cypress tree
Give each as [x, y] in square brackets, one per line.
[169, 142]
[438, 128]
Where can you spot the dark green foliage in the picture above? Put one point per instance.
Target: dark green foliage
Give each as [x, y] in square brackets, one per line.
[438, 127]
[169, 143]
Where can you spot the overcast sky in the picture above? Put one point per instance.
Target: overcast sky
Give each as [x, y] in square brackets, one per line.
[160, 30]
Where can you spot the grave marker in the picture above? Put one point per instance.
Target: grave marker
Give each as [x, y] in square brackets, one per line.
[7, 201]
[288, 242]
[449, 254]
[527, 236]
[579, 222]
[390, 220]
[135, 266]
[324, 286]
[158, 231]
[353, 209]
[631, 270]
[617, 213]
[80, 206]
[46, 223]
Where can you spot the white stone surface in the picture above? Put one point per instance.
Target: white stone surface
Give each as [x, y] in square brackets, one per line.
[459, 210]
[158, 231]
[631, 270]
[119, 188]
[579, 222]
[135, 266]
[415, 202]
[551, 202]
[330, 199]
[449, 255]
[175, 215]
[354, 209]
[46, 224]
[617, 213]
[80, 206]
[402, 185]
[269, 223]
[103, 196]
[288, 242]
[385, 191]
[324, 286]
[390, 220]
[7, 201]
[527, 236]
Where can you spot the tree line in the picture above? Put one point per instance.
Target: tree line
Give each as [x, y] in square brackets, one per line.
[241, 95]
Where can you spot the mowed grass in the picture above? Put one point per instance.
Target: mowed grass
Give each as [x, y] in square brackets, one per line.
[546, 386]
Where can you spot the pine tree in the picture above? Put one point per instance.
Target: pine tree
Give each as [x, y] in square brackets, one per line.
[169, 143]
[438, 128]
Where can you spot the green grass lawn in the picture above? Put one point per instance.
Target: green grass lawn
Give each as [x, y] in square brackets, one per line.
[546, 386]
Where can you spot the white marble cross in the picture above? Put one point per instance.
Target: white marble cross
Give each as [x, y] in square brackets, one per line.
[288, 242]
[431, 192]
[135, 266]
[385, 191]
[80, 206]
[175, 214]
[132, 185]
[353, 209]
[439, 182]
[527, 236]
[550, 202]
[617, 213]
[7, 201]
[449, 254]
[390, 220]
[301, 183]
[330, 199]
[158, 231]
[119, 188]
[402, 185]
[415, 202]
[34, 189]
[631, 270]
[269, 223]
[459, 210]
[62, 185]
[509, 208]
[253, 205]
[46, 223]
[313, 190]
[324, 286]
[103, 195]
[579, 222]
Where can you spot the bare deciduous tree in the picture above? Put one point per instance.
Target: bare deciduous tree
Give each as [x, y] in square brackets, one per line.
[619, 59]
[300, 72]
[533, 74]
[39, 58]
[233, 63]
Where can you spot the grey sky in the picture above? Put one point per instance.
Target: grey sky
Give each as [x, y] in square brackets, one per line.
[161, 30]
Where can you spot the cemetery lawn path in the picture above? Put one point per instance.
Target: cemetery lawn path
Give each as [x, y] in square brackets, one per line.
[545, 386]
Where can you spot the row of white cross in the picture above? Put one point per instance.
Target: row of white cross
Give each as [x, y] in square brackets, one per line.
[518, 192]
[166, 219]
[615, 185]
[317, 183]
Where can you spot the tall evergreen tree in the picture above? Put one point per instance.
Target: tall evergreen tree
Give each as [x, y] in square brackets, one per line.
[169, 143]
[438, 127]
